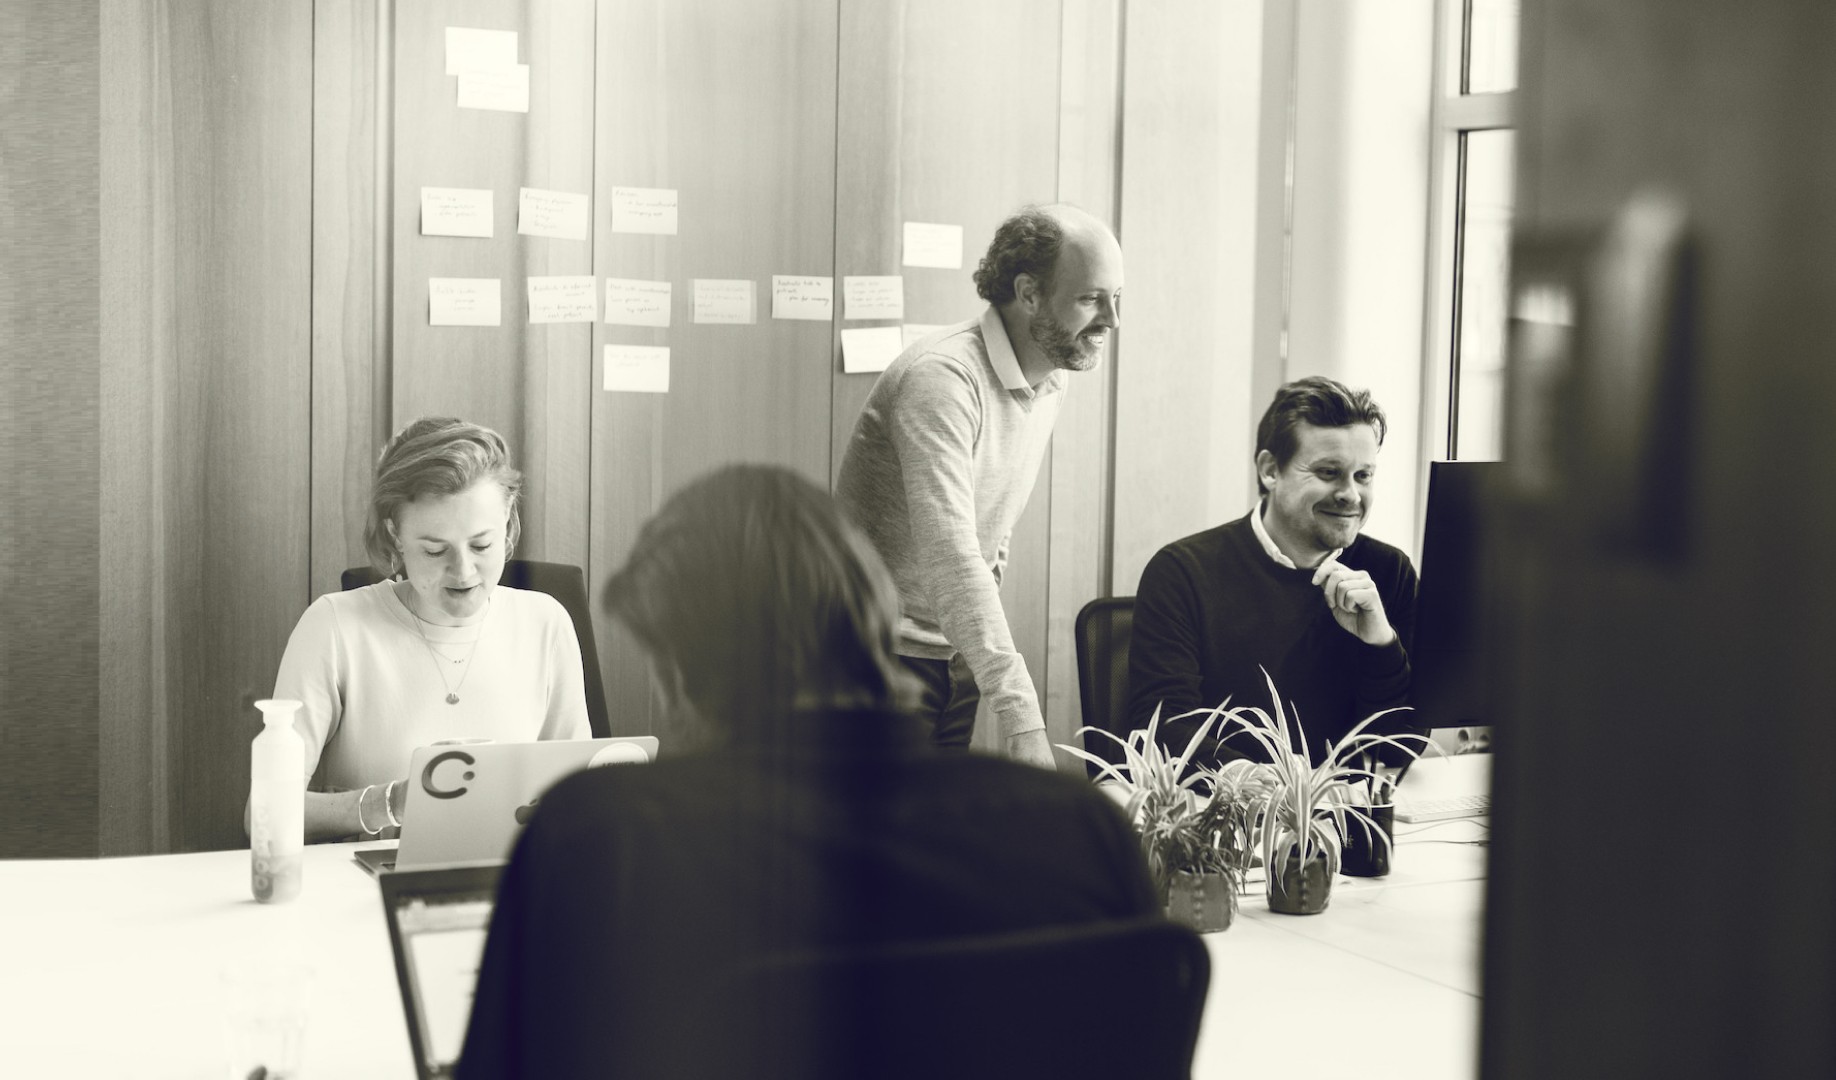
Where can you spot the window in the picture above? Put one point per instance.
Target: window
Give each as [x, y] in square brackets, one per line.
[1473, 168]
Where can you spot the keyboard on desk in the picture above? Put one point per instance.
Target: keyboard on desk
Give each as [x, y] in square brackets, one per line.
[1443, 809]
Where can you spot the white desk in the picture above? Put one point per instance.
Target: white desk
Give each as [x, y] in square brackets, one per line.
[110, 968]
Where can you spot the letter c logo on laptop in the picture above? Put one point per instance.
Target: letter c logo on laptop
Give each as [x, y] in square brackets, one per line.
[427, 774]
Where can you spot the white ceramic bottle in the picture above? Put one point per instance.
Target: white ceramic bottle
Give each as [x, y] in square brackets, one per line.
[277, 804]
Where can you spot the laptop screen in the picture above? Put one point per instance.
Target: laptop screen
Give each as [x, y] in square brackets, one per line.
[437, 924]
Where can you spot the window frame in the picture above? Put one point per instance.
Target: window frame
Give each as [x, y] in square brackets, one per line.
[1453, 114]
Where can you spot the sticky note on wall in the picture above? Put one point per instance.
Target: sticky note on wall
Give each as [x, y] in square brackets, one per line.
[870, 348]
[873, 297]
[644, 210]
[558, 215]
[796, 297]
[470, 49]
[503, 91]
[457, 212]
[637, 369]
[563, 299]
[464, 302]
[631, 302]
[721, 300]
[939, 246]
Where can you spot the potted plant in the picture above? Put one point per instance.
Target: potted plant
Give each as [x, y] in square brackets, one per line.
[1192, 821]
[1297, 811]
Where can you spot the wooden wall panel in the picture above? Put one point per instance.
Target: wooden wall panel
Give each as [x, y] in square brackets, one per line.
[138, 358]
[49, 434]
[963, 97]
[1089, 144]
[350, 318]
[529, 382]
[205, 525]
[731, 103]
[1193, 209]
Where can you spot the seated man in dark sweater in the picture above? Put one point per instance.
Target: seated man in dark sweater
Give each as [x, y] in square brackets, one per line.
[810, 811]
[1290, 588]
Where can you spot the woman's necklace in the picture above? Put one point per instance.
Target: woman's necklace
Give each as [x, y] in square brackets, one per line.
[452, 691]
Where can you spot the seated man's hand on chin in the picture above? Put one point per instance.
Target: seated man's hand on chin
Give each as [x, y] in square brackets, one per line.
[1355, 604]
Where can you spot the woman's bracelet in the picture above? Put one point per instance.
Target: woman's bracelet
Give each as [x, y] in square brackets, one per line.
[388, 803]
[367, 831]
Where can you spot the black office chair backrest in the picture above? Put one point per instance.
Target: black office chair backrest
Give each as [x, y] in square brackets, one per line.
[564, 582]
[1103, 629]
[1099, 1000]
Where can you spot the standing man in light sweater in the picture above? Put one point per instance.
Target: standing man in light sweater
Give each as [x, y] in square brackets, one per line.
[947, 448]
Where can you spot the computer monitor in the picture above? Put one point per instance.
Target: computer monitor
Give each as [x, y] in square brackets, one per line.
[1449, 655]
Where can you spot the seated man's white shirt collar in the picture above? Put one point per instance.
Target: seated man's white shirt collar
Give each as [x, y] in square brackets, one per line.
[1001, 351]
[1268, 542]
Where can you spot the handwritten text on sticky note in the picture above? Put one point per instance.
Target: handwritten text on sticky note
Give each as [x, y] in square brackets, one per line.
[644, 210]
[873, 297]
[939, 246]
[456, 211]
[637, 303]
[558, 215]
[725, 301]
[563, 299]
[797, 297]
[464, 302]
[638, 369]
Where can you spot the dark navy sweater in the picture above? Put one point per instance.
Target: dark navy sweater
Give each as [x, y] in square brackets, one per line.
[1213, 610]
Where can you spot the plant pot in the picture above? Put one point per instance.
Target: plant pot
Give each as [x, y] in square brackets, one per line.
[1364, 853]
[1202, 901]
[1301, 888]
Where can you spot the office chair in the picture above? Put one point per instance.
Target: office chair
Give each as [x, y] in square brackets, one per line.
[1104, 627]
[1098, 1000]
[564, 582]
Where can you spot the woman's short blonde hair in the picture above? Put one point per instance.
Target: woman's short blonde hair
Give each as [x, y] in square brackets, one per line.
[436, 455]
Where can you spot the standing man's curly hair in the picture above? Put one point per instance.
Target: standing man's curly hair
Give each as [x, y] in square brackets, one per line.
[1026, 243]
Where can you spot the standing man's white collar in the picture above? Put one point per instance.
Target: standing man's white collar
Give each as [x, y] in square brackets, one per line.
[1268, 542]
[1001, 351]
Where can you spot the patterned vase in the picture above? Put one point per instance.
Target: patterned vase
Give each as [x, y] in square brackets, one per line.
[1201, 901]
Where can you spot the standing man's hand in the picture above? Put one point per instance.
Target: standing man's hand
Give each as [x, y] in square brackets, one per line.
[1352, 595]
[1033, 748]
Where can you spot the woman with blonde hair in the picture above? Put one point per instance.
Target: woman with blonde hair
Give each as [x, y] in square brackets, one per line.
[438, 649]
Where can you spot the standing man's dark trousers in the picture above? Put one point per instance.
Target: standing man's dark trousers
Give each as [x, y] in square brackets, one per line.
[948, 700]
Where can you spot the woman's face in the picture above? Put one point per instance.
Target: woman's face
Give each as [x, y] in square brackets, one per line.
[452, 549]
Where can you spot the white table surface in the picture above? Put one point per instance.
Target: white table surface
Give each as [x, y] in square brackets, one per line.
[111, 968]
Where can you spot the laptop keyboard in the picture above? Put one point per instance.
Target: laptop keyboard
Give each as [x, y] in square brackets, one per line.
[1444, 809]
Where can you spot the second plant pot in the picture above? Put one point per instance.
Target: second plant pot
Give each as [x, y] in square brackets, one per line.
[1202, 901]
[1300, 887]
[1367, 850]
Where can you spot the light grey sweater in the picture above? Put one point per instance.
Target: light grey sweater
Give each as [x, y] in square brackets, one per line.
[937, 471]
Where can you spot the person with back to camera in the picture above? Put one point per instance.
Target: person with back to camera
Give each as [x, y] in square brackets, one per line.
[814, 813]
[1292, 588]
[439, 650]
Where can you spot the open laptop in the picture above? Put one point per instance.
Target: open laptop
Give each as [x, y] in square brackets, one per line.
[1445, 787]
[437, 925]
[467, 801]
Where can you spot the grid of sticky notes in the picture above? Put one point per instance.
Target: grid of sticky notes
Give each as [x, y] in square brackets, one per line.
[483, 65]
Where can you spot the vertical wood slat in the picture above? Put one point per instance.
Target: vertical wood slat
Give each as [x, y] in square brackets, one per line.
[1192, 208]
[345, 319]
[206, 441]
[50, 442]
[1089, 137]
[137, 357]
[741, 122]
